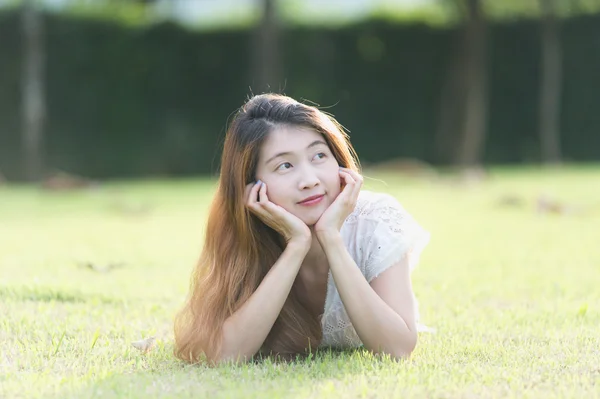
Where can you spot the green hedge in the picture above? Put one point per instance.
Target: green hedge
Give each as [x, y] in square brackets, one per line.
[146, 101]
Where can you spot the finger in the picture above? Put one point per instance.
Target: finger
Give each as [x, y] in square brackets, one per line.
[274, 211]
[346, 196]
[356, 190]
[348, 180]
[267, 208]
[355, 175]
[358, 182]
[262, 195]
[251, 200]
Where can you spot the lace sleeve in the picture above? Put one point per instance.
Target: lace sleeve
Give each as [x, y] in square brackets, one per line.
[396, 234]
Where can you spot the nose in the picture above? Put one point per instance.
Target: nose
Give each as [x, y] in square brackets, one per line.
[308, 179]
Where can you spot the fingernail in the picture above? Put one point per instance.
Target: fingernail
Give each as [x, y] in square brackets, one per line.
[259, 182]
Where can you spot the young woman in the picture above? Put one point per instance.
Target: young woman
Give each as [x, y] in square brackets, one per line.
[296, 256]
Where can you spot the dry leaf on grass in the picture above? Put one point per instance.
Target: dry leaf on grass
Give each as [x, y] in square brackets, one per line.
[130, 208]
[65, 181]
[144, 345]
[102, 269]
[546, 204]
[511, 200]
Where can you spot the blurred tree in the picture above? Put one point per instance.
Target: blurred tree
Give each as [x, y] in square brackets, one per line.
[33, 94]
[463, 108]
[551, 83]
[265, 52]
[449, 111]
[473, 129]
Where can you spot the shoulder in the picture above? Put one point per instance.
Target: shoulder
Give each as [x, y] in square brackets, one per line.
[380, 232]
[375, 207]
[376, 217]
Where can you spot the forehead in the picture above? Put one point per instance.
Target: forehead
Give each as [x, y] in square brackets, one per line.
[289, 139]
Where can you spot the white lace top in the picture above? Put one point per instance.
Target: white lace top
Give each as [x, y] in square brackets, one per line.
[378, 233]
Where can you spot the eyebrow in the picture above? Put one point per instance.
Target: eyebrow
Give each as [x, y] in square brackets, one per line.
[314, 143]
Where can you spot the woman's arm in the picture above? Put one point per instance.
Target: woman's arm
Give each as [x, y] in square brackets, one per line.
[245, 331]
[382, 313]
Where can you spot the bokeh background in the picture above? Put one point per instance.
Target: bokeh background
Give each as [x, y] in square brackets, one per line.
[480, 116]
[103, 89]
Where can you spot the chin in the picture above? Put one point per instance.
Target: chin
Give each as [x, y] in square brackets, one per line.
[310, 220]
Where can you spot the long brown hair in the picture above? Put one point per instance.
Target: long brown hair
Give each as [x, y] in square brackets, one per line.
[239, 249]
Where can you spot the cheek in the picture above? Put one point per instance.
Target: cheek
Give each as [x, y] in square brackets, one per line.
[334, 181]
[276, 191]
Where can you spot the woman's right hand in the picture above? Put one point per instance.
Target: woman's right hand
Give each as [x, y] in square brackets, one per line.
[289, 226]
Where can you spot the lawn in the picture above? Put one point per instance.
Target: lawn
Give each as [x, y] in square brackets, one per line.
[512, 289]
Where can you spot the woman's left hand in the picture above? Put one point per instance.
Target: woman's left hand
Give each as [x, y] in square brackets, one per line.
[332, 219]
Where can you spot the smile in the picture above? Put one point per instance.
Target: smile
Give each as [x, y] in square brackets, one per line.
[312, 200]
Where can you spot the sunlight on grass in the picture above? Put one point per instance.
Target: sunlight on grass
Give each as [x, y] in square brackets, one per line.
[512, 292]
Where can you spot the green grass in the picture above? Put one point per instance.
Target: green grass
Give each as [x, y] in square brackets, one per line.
[514, 295]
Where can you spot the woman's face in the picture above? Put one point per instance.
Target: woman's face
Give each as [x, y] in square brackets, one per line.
[296, 164]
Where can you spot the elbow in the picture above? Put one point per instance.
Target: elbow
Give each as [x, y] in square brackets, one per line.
[403, 352]
[231, 351]
[399, 349]
[397, 353]
[229, 355]
[406, 346]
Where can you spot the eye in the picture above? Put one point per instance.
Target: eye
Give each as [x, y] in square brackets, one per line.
[284, 166]
[320, 155]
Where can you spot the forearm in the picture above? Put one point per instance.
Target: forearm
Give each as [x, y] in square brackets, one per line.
[380, 328]
[245, 331]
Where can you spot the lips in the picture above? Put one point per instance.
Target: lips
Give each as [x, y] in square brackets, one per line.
[312, 198]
